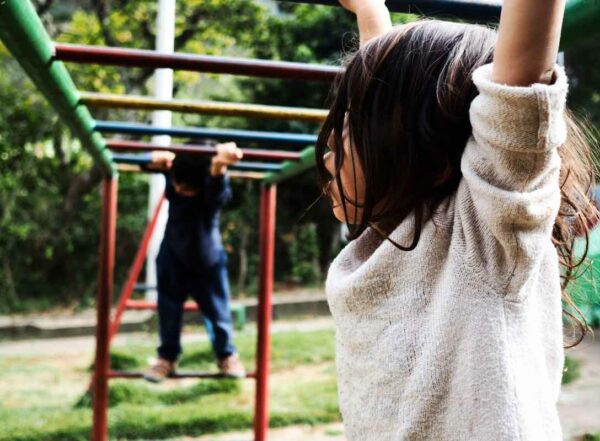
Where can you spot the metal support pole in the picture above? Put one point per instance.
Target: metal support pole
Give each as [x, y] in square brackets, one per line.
[134, 272]
[163, 90]
[268, 199]
[103, 302]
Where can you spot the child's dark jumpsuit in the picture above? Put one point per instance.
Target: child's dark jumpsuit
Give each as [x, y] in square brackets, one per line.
[192, 261]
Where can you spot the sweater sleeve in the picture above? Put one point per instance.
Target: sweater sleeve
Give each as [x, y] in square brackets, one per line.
[510, 196]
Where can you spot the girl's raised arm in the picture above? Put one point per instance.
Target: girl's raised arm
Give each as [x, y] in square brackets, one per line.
[528, 40]
[372, 16]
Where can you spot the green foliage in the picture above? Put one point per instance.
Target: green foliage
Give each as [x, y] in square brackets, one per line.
[584, 290]
[583, 67]
[571, 371]
[304, 254]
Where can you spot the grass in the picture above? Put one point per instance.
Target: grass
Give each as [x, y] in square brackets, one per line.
[571, 371]
[43, 399]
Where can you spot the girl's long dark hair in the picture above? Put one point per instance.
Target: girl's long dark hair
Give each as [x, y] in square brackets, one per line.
[404, 99]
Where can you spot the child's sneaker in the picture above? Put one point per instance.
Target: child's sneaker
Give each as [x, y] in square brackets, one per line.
[231, 366]
[159, 370]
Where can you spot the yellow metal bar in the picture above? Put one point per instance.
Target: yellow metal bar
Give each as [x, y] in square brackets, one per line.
[233, 174]
[204, 107]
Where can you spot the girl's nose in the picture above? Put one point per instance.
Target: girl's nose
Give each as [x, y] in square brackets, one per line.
[330, 140]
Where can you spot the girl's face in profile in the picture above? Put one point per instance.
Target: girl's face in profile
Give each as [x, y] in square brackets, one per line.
[352, 177]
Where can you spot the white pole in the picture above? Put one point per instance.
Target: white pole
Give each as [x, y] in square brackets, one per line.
[163, 89]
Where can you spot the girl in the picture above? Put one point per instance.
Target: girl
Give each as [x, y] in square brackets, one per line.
[463, 178]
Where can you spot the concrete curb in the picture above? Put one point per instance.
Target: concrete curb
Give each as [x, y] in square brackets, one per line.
[84, 324]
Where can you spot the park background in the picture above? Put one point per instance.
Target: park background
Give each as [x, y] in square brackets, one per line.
[49, 205]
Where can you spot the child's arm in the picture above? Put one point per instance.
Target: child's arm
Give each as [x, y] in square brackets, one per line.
[528, 40]
[218, 191]
[161, 161]
[372, 17]
[227, 154]
[510, 194]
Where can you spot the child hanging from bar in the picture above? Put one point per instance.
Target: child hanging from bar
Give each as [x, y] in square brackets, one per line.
[449, 152]
[191, 260]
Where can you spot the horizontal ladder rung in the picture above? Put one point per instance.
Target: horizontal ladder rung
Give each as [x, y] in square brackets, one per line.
[178, 375]
[143, 304]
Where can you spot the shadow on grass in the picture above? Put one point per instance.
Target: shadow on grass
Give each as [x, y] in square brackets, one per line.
[196, 359]
[136, 393]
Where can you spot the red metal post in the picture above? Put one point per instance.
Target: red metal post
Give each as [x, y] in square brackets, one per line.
[103, 301]
[268, 199]
[134, 271]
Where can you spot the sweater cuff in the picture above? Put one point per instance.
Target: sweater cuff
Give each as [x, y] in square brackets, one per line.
[520, 119]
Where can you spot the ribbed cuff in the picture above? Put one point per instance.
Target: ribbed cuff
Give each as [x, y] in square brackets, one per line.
[519, 118]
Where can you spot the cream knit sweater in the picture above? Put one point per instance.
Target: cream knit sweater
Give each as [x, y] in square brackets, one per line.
[461, 338]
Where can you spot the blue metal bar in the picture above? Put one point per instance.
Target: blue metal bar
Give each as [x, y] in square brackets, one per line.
[132, 158]
[279, 138]
[146, 158]
[258, 166]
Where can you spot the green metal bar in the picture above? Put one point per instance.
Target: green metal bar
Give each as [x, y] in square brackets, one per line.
[293, 168]
[24, 35]
[582, 21]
